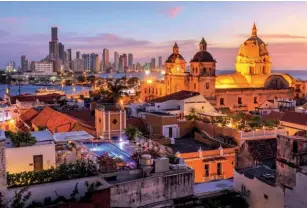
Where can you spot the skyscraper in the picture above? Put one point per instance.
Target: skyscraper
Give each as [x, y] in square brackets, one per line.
[160, 61]
[105, 58]
[116, 61]
[78, 55]
[86, 61]
[94, 62]
[53, 44]
[24, 64]
[130, 60]
[62, 52]
[54, 34]
[69, 58]
[153, 63]
[120, 63]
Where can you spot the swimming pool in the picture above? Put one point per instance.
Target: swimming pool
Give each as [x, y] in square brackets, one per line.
[105, 147]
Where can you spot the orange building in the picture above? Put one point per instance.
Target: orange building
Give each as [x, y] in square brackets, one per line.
[209, 163]
[250, 85]
[110, 121]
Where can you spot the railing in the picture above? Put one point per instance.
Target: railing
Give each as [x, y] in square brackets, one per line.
[262, 133]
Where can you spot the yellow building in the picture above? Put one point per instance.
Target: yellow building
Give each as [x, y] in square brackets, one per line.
[250, 85]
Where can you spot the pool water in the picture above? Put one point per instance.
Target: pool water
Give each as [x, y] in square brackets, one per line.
[101, 148]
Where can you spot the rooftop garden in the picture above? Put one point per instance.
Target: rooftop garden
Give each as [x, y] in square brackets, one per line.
[21, 139]
[69, 171]
[243, 122]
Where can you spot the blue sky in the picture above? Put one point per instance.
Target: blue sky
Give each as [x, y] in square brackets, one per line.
[149, 29]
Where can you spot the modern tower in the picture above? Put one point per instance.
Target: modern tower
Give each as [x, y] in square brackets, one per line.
[69, 58]
[130, 60]
[105, 58]
[153, 63]
[116, 61]
[53, 44]
[78, 55]
[24, 64]
[62, 52]
[86, 61]
[160, 61]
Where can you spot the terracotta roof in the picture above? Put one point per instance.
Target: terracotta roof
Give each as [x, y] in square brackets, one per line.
[28, 115]
[262, 149]
[273, 115]
[295, 117]
[53, 120]
[181, 95]
[84, 116]
[80, 127]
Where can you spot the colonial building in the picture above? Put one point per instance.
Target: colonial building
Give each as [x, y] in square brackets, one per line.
[251, 84]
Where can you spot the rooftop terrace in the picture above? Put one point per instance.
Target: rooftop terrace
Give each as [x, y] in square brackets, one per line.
[262, 173]
[185, 145]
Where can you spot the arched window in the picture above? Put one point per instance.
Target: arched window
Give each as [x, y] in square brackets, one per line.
[194, 86]
[239, 100]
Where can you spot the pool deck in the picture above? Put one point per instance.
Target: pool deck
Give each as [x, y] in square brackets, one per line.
[125, 146]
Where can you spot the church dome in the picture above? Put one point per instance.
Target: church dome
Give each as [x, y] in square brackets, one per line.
[203, 55]
[175, 55]
[172, 58]
[253, 47]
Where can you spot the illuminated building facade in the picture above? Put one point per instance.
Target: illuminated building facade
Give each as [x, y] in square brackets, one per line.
[251, 84]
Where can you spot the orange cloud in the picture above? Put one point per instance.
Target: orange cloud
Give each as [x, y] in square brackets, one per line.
[173, 12]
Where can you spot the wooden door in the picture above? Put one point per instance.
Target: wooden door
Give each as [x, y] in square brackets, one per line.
[38, 162]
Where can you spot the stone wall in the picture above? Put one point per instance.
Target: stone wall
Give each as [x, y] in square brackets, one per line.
[3, 187]
[158, 188]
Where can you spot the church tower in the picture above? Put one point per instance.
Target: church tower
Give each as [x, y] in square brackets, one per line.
[202, 71]
[176, 78]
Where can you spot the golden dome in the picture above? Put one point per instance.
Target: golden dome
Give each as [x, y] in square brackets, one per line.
[253, 47]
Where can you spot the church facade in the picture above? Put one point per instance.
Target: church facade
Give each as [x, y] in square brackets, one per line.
[250, 85]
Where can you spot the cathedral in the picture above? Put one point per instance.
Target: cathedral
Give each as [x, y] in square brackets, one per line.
[250, 85]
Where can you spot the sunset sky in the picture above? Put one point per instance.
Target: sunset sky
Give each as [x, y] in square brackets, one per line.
[149, 29]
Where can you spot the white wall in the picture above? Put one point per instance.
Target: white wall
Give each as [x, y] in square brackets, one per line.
[63, 188]
[296, 198]
[257, 190]
[199, 103]
[19, 159]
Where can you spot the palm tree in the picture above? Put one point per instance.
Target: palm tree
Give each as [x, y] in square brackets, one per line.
[115, 91]
[193, 115]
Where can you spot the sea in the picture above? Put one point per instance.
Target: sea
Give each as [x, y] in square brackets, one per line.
[297, 74]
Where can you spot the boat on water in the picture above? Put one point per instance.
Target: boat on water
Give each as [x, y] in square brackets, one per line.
[46, 84]
[45, 91]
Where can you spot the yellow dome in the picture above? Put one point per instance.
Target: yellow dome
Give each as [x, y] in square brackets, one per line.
[253, 47]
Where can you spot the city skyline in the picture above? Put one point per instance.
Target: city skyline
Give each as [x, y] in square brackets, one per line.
[152, 31]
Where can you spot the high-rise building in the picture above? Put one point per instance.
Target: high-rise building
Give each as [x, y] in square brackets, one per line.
[153, 63]
[105, 58]
[24, 64]
[53, 44]
[120, 63]
[94, 62]
[78, 65]
[86, 61]
[125, 60]
[130, 60]
[160, 61]
[78, 55]
[43, 67]
[54, 34]
[116, 61]
[62, 52]
[69, 58]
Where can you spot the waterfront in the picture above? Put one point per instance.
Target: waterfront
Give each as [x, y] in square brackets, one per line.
[31, 89]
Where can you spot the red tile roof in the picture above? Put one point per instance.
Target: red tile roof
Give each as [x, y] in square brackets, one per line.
[83, 116]
[274, 115]
[29, 115]
[181, 95]
[54, 120]
[295, 117]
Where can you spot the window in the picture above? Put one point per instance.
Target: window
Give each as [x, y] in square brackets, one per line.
[145, 91]
[265, 196]
[222, 101]
[149, 90]
[255, 100]
[194, 86]
[160, 92]
[99, 120]
[114, 121]
[207, 85]
[243, 189]
[206, 170]
[239, 100]
[219, 169]
[202, 107]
